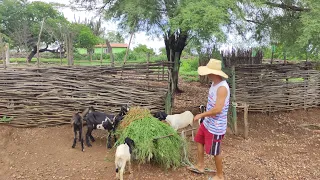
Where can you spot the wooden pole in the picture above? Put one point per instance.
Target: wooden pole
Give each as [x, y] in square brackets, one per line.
[7, 54]
[272, 54]
[148, 60]
[162, 70]
[125, 57]
[110, 52]
[38, 44]
[3, 60]
[60, 49]
[101, 55]
[234, 108]
[246, 125]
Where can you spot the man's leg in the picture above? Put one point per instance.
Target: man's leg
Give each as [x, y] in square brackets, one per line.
[200, 139]
[216, 151]
[218, 162]
[200, 165]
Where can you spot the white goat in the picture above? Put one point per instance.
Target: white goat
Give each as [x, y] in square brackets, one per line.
[182, 120]
[123, 155]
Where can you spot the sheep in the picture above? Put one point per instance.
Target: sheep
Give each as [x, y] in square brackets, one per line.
[77, 124]
[202, 109]
[122, 156]
[104, 121]
[160, 115]
[182, 120]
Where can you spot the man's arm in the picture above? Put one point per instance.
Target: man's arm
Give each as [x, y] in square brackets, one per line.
[221, 97]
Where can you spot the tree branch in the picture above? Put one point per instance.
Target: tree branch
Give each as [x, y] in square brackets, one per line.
[288, 7]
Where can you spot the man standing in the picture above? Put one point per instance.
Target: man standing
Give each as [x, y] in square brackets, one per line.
[214, 126]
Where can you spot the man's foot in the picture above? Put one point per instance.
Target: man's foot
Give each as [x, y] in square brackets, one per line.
[195, 169]
[216, 177]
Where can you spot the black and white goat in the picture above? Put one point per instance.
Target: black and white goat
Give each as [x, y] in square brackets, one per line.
[101, 120]
[202, 109]
[122, 156]
[77, 124]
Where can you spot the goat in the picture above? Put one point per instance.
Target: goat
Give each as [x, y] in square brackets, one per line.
[160, 115]
[182, 120]
[122, 156]
[101, 120]
[77, 124]
[202, 109]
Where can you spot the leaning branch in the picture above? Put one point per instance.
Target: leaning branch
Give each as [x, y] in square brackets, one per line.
[288, 7]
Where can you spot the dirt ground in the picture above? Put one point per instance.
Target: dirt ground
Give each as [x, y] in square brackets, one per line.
[277, 148]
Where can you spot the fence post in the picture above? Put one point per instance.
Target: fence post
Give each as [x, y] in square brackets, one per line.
[234, 108]
[3, 60]
[168, 102]
[148, 60]
[245, 118]
[7, 48]
[162, 70]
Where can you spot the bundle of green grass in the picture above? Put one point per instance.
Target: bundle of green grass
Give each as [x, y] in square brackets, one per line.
[145, 130]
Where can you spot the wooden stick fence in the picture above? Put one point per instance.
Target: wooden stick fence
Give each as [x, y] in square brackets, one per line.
[49, 96]
[270, 88]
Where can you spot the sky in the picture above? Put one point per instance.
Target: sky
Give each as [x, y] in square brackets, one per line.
[140, 37]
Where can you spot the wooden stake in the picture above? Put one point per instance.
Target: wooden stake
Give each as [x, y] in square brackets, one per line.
[234, 108]
[38, 44]
[148, 60]
[7, 49]
[125, 57]
[246, 125]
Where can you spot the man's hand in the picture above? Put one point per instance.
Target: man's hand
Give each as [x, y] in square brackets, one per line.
[197, 117]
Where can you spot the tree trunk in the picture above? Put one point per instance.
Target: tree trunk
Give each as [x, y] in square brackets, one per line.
[175, 43]
[110, 52]
[34, 52]
[7, 54]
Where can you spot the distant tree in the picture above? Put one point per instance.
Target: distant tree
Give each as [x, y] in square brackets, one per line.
[20, 21]
[114, 37]
[85, 38]
[143, 50]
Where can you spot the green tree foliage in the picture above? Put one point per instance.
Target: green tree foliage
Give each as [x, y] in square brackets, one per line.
[115, 37]
[21, 20]
[143, 49]
[84, 37]
[177, 21]
[291, 23]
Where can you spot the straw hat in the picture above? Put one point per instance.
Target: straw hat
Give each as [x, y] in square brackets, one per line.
[213, 67]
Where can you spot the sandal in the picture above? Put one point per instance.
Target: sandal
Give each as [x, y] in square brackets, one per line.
[195, 170]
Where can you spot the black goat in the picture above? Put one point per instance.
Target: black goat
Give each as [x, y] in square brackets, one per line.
[101, 120]
[160, 115]
[202, 109]
[77, 124]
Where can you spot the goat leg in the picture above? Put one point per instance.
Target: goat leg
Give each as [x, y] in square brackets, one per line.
[90, 128]
[92, 138]
[74, 139]
[114, 136]
[81, 138]
[108, 141]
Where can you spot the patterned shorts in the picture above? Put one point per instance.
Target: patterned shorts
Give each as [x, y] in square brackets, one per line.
[212, 142]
